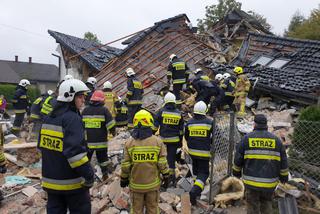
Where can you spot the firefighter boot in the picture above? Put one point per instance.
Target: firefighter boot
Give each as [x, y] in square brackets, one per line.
[195, 191]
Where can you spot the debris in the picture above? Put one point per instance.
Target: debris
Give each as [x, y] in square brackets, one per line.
[16, 180]
[185, 183]
[19, 145]
[169, 198]
[29, 191]
[30, 173]
[232, 189]
[28, 156]
[249, 102]
[263, 103]
[288, 205]
[11, 158]
[283, 189]
[166, 208]
[185, 204]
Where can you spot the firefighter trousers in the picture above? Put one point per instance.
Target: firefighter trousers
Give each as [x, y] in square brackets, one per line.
[200, 168]
[258, 201]
[171, 154]
[102, 157]
[78, 203]
[17, 123]
[228, 103]
[176, 91]
[132, 110]
[147, 200]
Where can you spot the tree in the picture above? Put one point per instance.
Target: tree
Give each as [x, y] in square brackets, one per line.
[92, 37]
[261, 19]
[215, 13]
[296, 20]
[309, 28]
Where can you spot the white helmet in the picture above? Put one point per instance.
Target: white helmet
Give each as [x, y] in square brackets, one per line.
[69, 88]
[172, 56]
[68, 77]
[92, 81]
[130, 72]
[218, 77]
[226, 76]
[200, 108]
[197, 70]
[50, 92]
[107, 85]
[170, 98]
[24, 83]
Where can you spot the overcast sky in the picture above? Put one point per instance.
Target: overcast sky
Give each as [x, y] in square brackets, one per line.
[24, 24]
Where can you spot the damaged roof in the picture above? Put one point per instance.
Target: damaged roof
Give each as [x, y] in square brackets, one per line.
[285, 66]
[13, 72]
[148, 54]
[95, 58]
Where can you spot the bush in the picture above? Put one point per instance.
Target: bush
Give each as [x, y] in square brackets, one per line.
[8, 90]
[306, 143]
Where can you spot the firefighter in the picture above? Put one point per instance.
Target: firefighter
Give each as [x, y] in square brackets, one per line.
[199, 76]
[241, 90]
[111, 100]
[144, 161]
[134, 95]
[178, 72]
[36, 116]
[122, 114]
[98, 122]
[21, 104]
[218, 79]
[66, 171]
[198, 134]
[228, 86]
[170, 120]
[91, 84]
[261, 160]
[3, 167]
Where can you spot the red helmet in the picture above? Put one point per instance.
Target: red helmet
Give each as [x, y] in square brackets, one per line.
[98, 96]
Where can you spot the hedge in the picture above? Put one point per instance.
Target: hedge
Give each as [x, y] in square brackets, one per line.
[8, 90]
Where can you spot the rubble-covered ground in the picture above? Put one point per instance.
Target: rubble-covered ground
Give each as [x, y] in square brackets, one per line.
[24, 194]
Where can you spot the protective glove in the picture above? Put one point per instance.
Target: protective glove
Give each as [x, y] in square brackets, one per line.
[3, 169]
[88, 183]
[165, 180]
[124, 182]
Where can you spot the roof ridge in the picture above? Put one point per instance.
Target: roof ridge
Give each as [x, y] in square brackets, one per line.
[3, 60]
[284, 38]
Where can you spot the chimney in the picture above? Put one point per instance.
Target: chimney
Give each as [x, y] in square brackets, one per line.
[16, 58]
[30, 59]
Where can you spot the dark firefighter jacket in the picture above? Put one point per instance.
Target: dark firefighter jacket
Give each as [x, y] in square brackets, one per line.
[200, 76]
[178, 71]
[36, 107]
[144, 161]
[170, 120]
[198, 134]
[212, 89]
[261, 158]
[135, 91]
[228, 87]
[65, 164]
[121, 114]
[20, 100]
[97, 121]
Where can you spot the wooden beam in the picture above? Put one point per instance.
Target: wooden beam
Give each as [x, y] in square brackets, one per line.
[19, 146]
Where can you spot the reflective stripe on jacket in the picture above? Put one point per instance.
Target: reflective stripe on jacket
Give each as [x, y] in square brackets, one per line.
[135, 91]
[262, 160]
[143, 162]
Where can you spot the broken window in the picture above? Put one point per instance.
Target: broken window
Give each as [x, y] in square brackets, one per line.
[262, 60]
[278, 63]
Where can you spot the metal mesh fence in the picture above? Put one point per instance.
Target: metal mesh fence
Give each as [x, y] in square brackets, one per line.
[223, 146]
[304, 152]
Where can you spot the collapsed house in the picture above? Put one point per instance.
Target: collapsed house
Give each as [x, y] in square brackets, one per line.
[148, 54]
[227, 34]
[75, 59]
[282, 67]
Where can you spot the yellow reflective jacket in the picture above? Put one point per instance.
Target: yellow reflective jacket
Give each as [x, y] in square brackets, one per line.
[110, 101]
[2, 157]
[143, 162]
[242, 85]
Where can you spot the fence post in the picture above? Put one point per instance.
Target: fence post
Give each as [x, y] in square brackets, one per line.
[231, 142]
[212, 150]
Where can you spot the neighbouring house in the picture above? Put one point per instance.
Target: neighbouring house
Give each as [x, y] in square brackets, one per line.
[284, 67]
[44, 76]
[77, 59]
[148, 54]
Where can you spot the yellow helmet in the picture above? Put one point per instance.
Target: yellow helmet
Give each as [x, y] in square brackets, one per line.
[238, 70]
[144, 118]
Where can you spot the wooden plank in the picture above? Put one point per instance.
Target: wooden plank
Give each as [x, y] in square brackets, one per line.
[11, 158]
[20, 146]
[185, 204]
